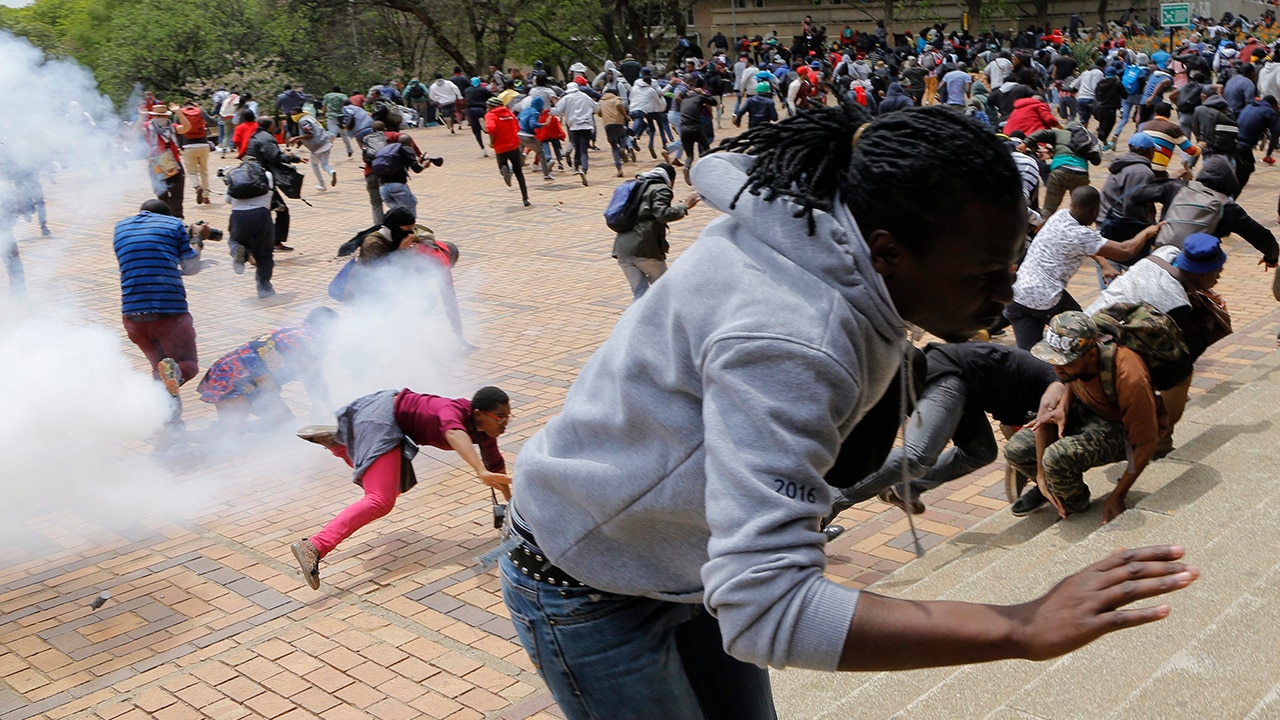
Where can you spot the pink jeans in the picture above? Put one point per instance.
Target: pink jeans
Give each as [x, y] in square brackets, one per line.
[381, 486]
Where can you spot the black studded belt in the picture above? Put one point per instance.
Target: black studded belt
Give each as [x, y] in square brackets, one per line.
[537, 566]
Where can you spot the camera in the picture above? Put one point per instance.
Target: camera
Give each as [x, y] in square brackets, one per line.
[499, 515]
[200, 231]
[437, 161]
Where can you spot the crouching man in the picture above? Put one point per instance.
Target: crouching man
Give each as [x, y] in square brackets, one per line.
[1107, 412]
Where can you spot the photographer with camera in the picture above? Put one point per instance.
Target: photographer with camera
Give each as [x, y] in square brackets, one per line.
[391, 165]
[265, 150]
[379, 434]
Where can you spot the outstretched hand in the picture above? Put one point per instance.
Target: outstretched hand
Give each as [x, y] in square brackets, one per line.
[498, 481]
[1091, 603]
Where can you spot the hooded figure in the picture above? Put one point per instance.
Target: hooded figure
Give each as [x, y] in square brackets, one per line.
[529, 116]
[1128, 173]
[895, 98]
[381, 241]
[648, 239]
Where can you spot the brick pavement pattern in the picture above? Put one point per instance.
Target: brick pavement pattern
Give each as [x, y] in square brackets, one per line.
[208, 616]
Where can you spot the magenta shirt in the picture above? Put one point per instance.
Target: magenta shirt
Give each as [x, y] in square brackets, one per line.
[426, 418]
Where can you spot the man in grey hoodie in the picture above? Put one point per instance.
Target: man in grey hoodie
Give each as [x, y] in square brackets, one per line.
[666, 544]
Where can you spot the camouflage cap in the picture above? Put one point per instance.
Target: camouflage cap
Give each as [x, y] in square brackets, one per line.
[1068, 336]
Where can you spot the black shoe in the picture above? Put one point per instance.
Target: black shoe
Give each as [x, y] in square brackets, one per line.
[527, 203]
[890, 496]
[653, 153]
[265, 290]
[833, 531]
[1030, 501]
[281, 247]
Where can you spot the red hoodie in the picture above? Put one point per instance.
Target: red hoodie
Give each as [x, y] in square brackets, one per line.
[503, 129]
[1030, 115]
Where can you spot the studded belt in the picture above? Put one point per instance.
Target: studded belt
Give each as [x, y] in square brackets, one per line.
[538, 567]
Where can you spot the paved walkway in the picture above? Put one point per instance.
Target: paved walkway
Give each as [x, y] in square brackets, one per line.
[207, 615]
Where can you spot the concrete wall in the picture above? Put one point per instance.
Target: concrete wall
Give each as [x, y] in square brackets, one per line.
[785, 16]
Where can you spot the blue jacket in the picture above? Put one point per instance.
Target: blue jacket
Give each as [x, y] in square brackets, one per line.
[1255, 118]
[529, 116]
[895, 98]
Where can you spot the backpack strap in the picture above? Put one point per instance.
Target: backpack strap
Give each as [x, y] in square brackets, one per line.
[1107, 371]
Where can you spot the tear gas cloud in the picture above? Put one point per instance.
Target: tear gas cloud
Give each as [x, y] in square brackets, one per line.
[76, 420]
[72, 405]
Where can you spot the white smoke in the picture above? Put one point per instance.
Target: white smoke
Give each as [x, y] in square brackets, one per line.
[74, 413]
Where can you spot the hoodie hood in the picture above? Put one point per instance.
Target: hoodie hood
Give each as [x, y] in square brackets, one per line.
[1127, 160]
[895, 90]
[978, 88]
[1216, 102]
[608, 65]
[569, 89]
[836, 254]
[1023, 102]
[537, 103]
[1217, 175]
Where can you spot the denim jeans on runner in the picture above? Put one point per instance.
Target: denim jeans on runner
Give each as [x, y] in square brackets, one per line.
[398, 195]
[619, 657]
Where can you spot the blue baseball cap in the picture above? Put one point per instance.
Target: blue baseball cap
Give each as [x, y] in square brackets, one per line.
[1201, 253]
[1141, 141]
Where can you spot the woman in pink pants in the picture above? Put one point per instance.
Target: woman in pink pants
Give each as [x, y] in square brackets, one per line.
[379, 434]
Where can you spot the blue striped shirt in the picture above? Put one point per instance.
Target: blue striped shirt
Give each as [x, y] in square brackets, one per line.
[150, 248]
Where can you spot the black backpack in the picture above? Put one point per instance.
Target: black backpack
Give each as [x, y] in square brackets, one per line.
[247, 180]
[1084, 144]
[1222, 132]
[370, 144]
[416, 91]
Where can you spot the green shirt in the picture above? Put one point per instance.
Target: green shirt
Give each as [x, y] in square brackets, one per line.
[333, 103]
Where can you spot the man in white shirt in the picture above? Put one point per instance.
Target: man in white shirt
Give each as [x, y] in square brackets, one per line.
[1055, 255]
[1087, 90]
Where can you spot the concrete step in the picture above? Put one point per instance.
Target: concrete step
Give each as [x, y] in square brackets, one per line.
[1239, 653]
[1183, 499]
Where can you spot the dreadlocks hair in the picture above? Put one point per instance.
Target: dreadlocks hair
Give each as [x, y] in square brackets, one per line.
[909, 173]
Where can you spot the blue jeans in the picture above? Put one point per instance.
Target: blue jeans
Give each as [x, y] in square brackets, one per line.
[398, 195]
[619, 657]
[332, 124]
[641, 273]
[641, 122]
[1127, 105]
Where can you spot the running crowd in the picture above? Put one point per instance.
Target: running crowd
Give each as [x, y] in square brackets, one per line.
[679, 526]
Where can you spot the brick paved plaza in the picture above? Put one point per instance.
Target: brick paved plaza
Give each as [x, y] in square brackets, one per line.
[208, 616]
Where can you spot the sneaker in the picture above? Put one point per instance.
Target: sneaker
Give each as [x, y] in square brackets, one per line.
[1031, 501]
[265, 290]
[333, 178]
[170, 375]
[666, 156]
[890, 496]
[687, 181]
[308, 561]
[506, 174]
[321, 188]
[560, 166]
[281, 247]
[619, 172]
[1269, 160]
[239, 257]
[653, 153]
[44, 230]
[527, 203]
[548, 177]
[323, 435]
[486, 153]
[833, 531]
[677, 163]
[583, 175]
